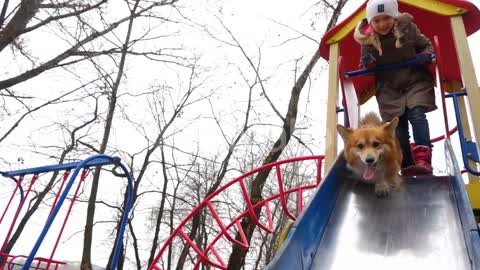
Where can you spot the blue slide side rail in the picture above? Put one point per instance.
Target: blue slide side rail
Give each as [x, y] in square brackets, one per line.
[467, 218]
[308, 229]
[469, 150]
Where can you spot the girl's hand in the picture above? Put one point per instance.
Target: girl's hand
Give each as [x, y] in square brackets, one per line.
[425, 57]
[368, 61]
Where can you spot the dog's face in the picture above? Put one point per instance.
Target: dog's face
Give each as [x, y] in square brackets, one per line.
[365, 146]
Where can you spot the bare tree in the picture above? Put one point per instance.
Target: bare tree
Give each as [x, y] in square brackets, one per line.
[159, 102]
[48, 188]
[237, 257]
[97, 53]
[19, 22]
[220, 174]
[86, 263]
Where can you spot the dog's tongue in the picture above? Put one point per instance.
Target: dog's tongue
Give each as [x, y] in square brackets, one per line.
[369, 172]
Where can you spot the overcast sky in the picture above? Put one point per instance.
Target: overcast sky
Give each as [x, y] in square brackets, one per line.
[266, 24]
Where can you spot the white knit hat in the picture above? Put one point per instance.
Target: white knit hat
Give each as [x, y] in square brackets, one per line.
[381, 7]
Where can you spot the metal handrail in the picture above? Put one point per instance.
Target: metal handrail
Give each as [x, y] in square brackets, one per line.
[461, 134]
[379, 68]
[93, 161]
[250, 211]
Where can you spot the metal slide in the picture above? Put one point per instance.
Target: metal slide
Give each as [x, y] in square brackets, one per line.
[429, 224]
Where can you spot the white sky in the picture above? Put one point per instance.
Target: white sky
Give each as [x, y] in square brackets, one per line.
[251, 21]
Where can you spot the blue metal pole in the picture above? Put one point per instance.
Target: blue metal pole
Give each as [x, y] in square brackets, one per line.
[97, 160]
[408, 63]
[100, 161]
[463, 144]
[128, 206]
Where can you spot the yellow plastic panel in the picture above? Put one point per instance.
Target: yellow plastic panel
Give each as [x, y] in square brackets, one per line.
[473, 191]
[433, 6]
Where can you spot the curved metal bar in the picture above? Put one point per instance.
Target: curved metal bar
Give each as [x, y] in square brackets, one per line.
[20, 187]
[96, 160]
[463, 141]
[441, 75]
[442, 137]
[243, 243]
[249, 211]
[408, 63]
[67, 215]
[92, 161]
[123, 224]
[283, 197]
[345, 116]
[19, 203]
[17, 213]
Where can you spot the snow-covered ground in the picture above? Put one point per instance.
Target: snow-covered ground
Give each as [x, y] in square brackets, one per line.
[18, 263]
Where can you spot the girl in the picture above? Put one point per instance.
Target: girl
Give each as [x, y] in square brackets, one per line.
[386, 37]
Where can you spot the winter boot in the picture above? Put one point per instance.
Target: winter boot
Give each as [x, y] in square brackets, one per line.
[408, 165]
[409, 170]
[423, 159]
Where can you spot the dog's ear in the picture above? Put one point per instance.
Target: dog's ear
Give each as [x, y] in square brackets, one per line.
[391, 126]
[344, 132]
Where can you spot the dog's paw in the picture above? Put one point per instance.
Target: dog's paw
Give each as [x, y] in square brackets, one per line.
[382, 189]
[397, 183]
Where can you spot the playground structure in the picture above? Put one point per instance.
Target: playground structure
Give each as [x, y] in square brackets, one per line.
[429, 225]
[12, 213]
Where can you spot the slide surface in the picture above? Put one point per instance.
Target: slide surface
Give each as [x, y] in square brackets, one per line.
[428, 224]
[414, 229]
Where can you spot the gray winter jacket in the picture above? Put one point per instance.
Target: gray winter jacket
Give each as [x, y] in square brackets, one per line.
[402, 88]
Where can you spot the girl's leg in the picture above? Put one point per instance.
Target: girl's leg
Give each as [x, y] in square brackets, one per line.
[420, 129]
[422, 152]
[404, 138]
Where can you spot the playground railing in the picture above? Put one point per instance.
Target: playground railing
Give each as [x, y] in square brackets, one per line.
[27, 187]
[209, 255]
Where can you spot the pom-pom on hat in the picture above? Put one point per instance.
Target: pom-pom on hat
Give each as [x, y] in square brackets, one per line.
[381, 7]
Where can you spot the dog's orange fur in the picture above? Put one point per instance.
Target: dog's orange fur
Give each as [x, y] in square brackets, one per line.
[374, 145]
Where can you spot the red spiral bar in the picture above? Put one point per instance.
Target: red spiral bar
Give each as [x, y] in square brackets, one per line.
[203, 256]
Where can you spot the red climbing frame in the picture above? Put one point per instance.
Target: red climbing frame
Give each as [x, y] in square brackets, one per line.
[8, 260]
[204, 256]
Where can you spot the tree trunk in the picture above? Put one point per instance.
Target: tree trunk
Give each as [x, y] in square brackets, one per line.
[86, 263]
[196, 220]
[237, 257]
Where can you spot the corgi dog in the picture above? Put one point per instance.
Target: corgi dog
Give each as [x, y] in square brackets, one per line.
[373, 152]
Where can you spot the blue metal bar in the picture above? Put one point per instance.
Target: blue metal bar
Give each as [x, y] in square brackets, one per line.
[463, 140]
[128, 206]
[62, 167]
[464, 207]
[91, 161]
[408, 63]
[345, 117]
[472, 151]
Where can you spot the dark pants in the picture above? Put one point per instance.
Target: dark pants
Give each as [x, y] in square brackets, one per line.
[421, 134]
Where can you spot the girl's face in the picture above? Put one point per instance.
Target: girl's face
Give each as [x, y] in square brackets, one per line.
[382, 24]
